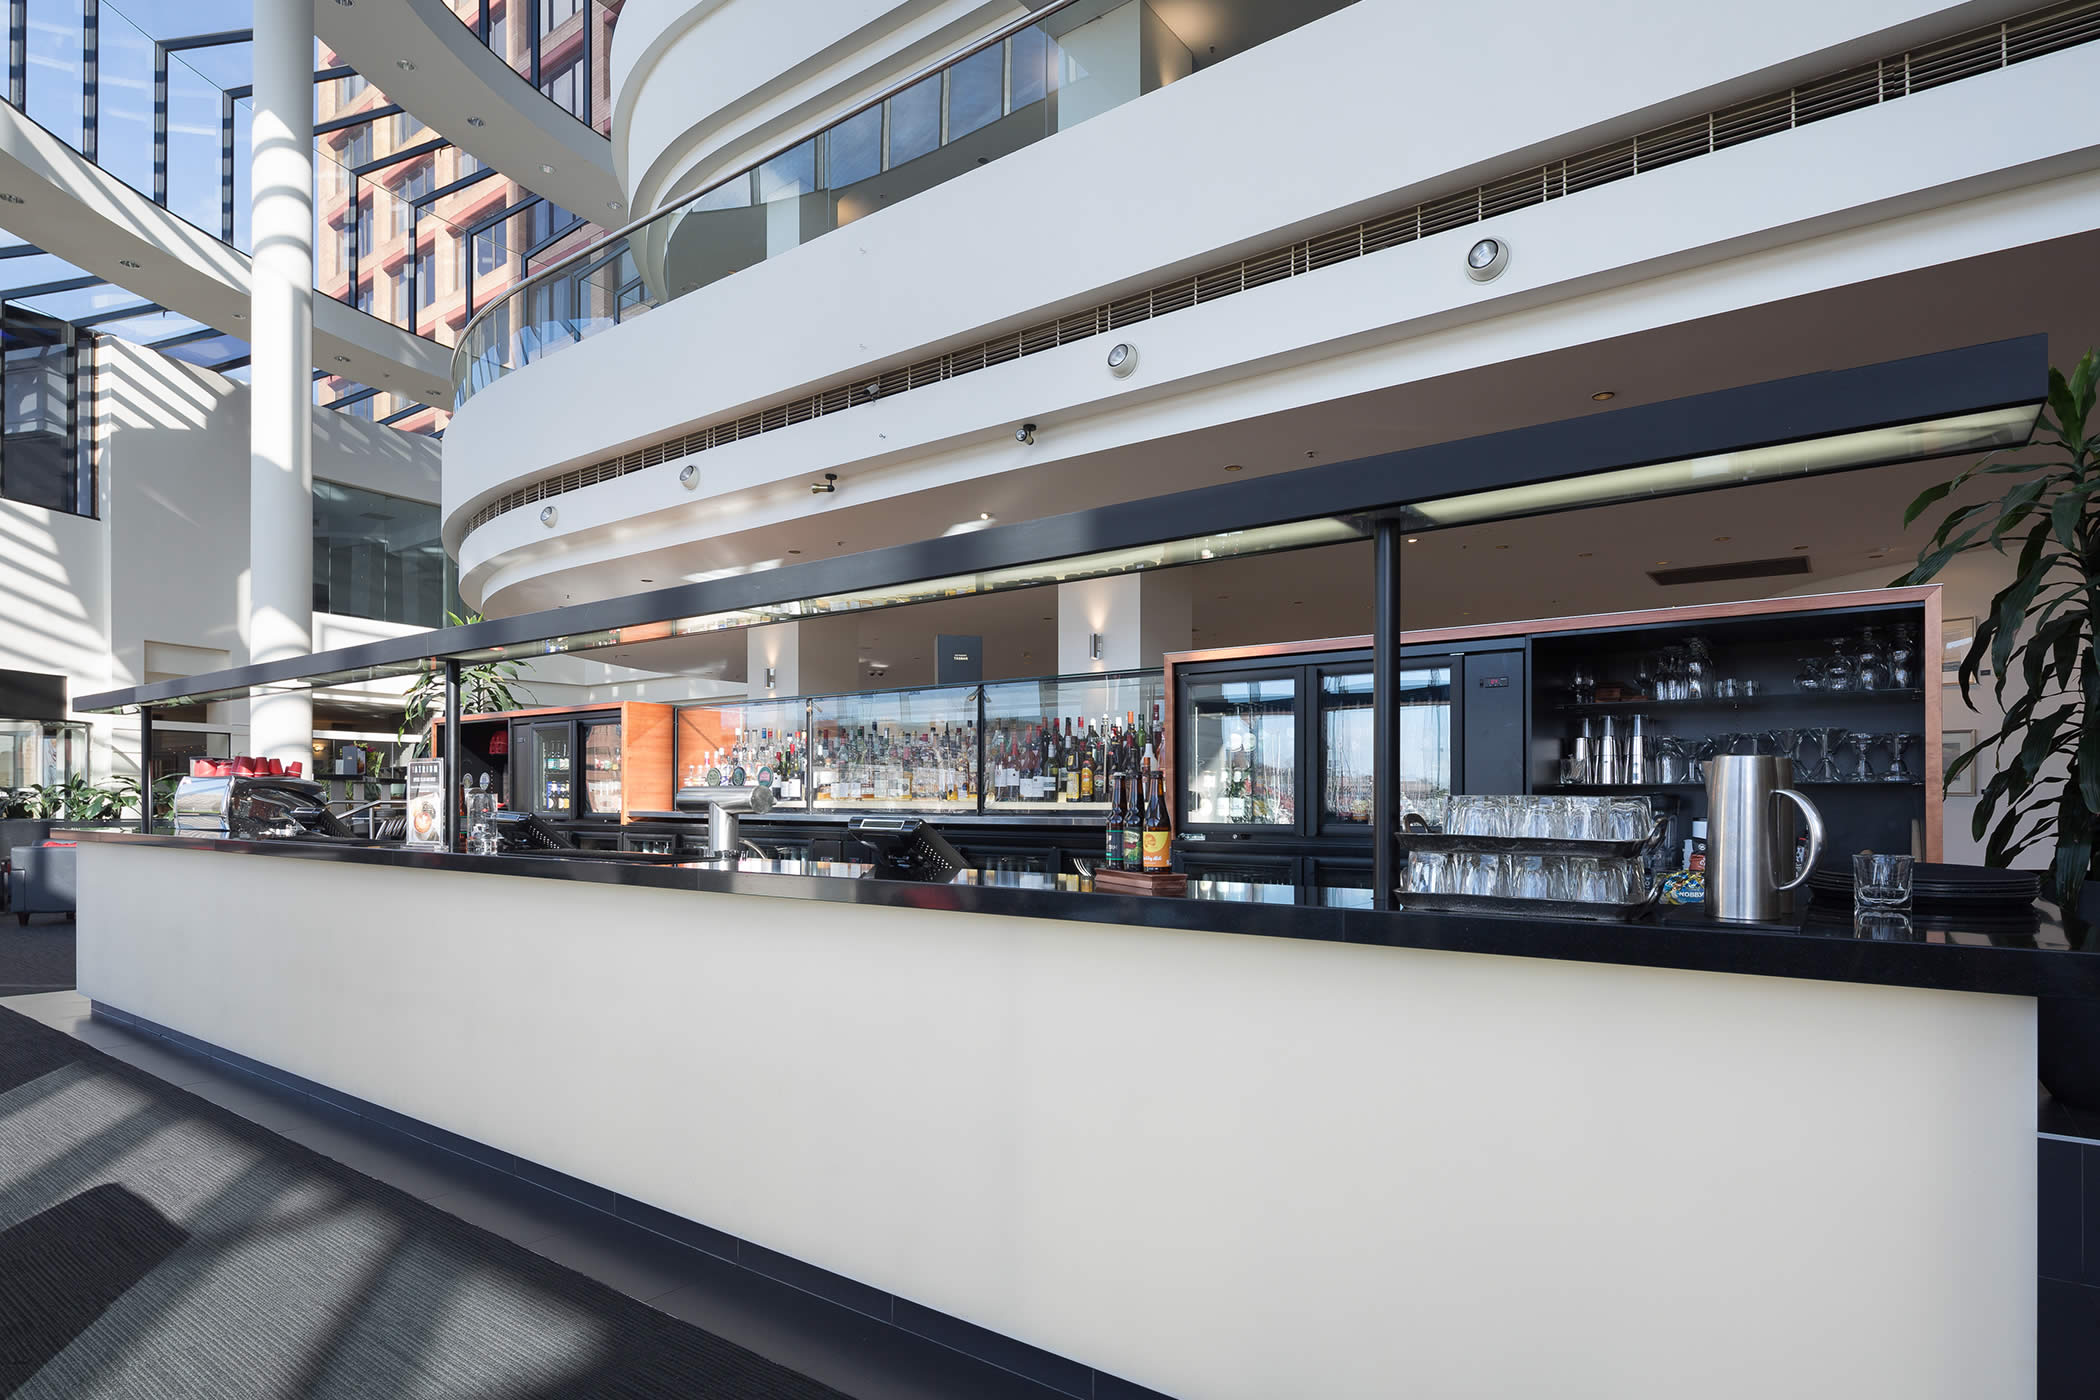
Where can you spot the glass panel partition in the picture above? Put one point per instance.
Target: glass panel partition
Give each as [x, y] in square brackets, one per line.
[758, 743]
[1047, 741]
[895, 751]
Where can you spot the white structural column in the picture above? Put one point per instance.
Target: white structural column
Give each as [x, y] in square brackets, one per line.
[280, 612]
[1139, 618]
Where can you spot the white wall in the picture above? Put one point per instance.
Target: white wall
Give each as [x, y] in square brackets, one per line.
[1223, 1166]
[1908, 184]
[166, 563]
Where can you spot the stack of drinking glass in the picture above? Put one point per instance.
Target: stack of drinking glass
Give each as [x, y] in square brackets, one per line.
[1572, 851]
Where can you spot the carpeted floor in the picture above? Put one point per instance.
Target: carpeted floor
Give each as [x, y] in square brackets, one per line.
[153, 1245]
[35, 958]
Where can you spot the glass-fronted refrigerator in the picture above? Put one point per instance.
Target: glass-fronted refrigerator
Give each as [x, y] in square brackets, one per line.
[598, 740]
[549, 770]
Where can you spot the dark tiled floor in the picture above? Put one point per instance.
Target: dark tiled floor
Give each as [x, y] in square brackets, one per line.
[814, 1336]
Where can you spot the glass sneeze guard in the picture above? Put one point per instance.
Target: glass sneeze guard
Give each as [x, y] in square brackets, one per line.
[1047, 741]
[894, 751]
[745, 744]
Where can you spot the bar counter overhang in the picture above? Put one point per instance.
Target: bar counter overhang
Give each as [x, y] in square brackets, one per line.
[1362, 1152]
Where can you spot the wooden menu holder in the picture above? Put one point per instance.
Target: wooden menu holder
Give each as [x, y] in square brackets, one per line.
[1166, 882]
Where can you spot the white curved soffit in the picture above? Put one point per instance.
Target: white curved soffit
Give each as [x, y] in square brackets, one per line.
[701, 87]
[455, 77]
[74, 209]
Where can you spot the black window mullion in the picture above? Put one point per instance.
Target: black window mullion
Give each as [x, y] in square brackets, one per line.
[160, 126]
[91, 80]
[18, 54]
[354, 235]
[208, 41]
[455, 187]
[226, 159]
[429, 147]
[532, 33]
[355, 119]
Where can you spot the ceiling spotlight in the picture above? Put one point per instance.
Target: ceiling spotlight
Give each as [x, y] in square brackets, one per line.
[476, 121]
[1122, 360]
[689, 475]
[344, 3]
[546, 170]
[342, 359]
[1025, 434]
[1232, 467]
[648, 580]
[240, 315]
[548, 515]
[127, 262]
[1414, 539]
[614, 205]
[1486, 260]
[1602, 394]
[404, 65]
[826, 486]
[983, 516]
[7, 198]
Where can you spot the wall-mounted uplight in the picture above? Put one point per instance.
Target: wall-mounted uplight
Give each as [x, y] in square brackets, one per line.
[1093, 645]
[769, 677]
[548, 515]
[1486, 259]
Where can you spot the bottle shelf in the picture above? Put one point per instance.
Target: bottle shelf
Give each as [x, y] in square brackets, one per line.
[1762, 701]
[1596, 789]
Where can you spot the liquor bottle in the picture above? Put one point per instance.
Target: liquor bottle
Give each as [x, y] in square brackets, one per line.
[1068, 768]
[1112, 858]
[1159, 832]
[714, 768]
[1086, 766]
[1133, 822]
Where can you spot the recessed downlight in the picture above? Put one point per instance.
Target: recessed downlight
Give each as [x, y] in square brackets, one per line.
[9, 198]
[476, 121]
[1603, 394]
[615, 205]
[1232, 467]
[404, 65]
[128, 262]
[342, 359]
[546, 169]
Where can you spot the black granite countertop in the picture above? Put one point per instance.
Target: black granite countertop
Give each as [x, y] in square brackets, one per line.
[2023, 954]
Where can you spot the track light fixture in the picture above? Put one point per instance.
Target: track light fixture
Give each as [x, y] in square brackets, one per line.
[689, 475]
[1025, 435]
[825, 487]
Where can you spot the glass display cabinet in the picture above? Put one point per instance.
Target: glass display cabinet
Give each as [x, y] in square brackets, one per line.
[1047, 741]
[745, 744]
[42, 752]
[895, 751]
[1240, 750]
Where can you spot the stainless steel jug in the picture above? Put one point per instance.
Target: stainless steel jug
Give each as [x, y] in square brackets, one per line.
[1750, 836]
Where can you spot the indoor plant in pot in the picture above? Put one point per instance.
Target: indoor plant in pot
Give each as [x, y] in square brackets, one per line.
[2038, 639]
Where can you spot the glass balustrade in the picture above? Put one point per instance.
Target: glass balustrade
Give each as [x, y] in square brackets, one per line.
[1066, 65]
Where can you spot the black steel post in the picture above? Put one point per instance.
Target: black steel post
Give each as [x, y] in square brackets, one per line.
[452, 780]
[1385, 714]
[146, 770]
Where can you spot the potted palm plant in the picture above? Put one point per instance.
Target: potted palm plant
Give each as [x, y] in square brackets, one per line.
[483, 690]
[2038, 640]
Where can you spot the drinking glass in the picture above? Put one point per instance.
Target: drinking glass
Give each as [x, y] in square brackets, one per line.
[1698, 669]
[1670, 675]
[1586, 818]
[1828, 741]
[1428, 872]
[1810, 676]
[1537, 877]
[1880, 882]
[1869, 662]
[1602, 880]
[1543, 818]
[1899, 762]
[1903, 658]
[1669, 760]
[1859, 744]
[1837, 667]
[1478, 873]
[1628, 819]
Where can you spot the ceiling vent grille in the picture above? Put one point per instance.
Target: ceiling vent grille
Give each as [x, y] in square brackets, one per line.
[1782, 567]
[1963, 56]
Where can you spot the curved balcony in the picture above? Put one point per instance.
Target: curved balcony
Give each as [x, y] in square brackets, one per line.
[1042, 73]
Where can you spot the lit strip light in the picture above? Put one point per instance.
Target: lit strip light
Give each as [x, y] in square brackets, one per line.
[1869, 447]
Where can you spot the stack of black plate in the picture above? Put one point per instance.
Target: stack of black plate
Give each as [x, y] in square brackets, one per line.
[1966, 885]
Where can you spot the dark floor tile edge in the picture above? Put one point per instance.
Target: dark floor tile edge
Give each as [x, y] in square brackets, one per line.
[864, 1301]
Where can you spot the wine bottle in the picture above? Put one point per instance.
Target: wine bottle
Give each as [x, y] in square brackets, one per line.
[1133, 821]
[1112, 858]
[1086, 767]
[1159, 831]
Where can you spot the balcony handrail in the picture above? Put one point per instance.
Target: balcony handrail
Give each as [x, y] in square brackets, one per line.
[808, 133]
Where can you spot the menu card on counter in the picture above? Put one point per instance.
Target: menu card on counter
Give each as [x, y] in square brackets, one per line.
[426, 803]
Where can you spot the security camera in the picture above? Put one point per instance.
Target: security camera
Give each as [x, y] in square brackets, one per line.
[1025, 434]
[826, 486]
[1122, 359]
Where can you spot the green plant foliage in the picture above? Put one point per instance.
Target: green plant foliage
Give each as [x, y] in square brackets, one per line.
[483, 690]
[2038, 636]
